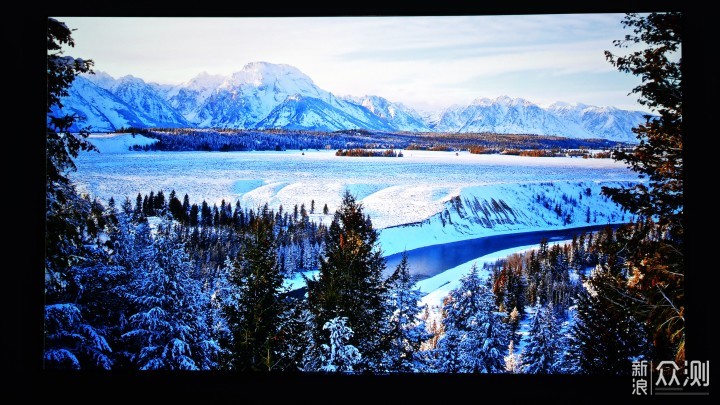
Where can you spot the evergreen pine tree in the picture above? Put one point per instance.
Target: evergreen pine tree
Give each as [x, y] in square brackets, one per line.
[566, 361]
[540, 351]
[512, 360]
[147, 205]
[606, 335]
[406, 331]
[475, 335]
[159, 202]
[193, 216]
[297, 338]
[339, 355]
[254, 319]
[656, 268]
[138, 211]
[216, 330]
[205, 214]
[350, 282]
[186, 205]
[71, 341]
[176, 208]
[168, 330]
[486, 339]
[303, 213]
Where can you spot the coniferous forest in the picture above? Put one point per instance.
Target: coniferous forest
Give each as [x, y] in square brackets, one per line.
[162, 282]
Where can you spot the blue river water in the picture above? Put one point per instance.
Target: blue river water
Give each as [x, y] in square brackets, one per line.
[428, 261]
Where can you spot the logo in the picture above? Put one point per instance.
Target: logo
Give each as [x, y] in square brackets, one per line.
[671, 378]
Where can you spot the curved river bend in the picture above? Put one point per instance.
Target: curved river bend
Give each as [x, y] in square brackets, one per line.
[431, 260]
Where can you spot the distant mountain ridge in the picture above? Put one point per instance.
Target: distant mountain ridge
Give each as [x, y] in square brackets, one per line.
[275, 96]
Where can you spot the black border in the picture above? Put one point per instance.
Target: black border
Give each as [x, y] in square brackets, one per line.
[25, 52]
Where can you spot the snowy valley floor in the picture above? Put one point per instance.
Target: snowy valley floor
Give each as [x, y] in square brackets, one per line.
[424, 198]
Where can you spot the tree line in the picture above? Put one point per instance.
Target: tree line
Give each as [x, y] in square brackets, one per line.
[368, 153]
[227, 140]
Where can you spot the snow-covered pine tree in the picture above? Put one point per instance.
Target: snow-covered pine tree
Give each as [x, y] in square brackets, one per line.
[339, 355]
[475, 335]
[126, 243]
[298, 347]
[216, 329]
[485, 341]
[167, 331]
[512, 360]
[106, 283]
[566, 362]
[540, 351]
[406, 331]
[446, 356]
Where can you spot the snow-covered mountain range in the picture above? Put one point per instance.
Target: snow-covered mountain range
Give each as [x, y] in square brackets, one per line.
[264, 96]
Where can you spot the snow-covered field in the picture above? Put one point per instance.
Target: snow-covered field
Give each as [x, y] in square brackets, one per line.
[394, 191]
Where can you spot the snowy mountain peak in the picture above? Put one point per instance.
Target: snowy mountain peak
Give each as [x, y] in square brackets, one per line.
[501, 100]
[267, 68]
[129, 80]
[204, 81]
[606, 108]
[396, 115]
[511, 102]
[480, 101]
[100, 78]
[562, 105]
[263, 73]
[377, 105]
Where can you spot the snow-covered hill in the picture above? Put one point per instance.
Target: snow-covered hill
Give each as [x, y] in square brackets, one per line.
[506, 208]
[264, 95]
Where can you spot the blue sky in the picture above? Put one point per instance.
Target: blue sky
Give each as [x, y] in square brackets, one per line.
[424, 62]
